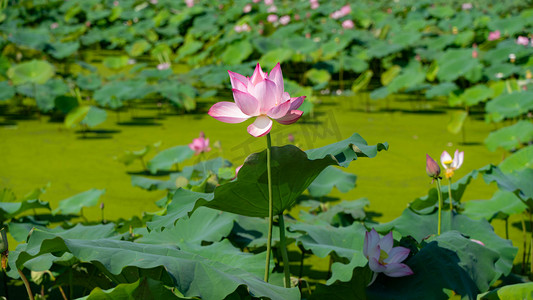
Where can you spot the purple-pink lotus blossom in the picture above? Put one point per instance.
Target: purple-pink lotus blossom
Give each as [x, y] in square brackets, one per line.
[269, 2]
[247, 8]
[163, 66]
[449, 164]
[348, 24]
[494, 35]
[262, 96]
[189, 3]
[285, 20]
[200, 144]
[522, 40]
[432, 167]
[466, 6]
[272, 18]
[314, 4]
[383, 258]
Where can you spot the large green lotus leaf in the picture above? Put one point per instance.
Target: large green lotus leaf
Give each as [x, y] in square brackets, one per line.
[502, 205]
[510, 137]
[507, 26]
[95, 116]
[476, 94]
[167, 158]
[252, 233]
[45, 261]
[502, 51]
[182, 203]
[76, 115]
[390, 74]
[237, 52]
[301, 44]
[447, 262]
[518, 182]
[380, 48]
[145, 288]
[440, 42]
[292, 172]
[502, 70]
[61, 50]
[65, 104]
[509, 106]
[116, 62]
[116, 255]
[408, 79]
[441, 12]
[465, 38]
[355, 64]
[204, 224]
[405, 38]
[34, 71]
[9, 210]
[6, 91]
[521, 159]
[74, 204]
[345, 242]
[455, 63]
[272, 57]
[89, 82]
[138, 48]
[29, 37]
[428, 204]
[329, 178]
[457, 120]
[317, 76]
[514, 291]
[341, 214]
[362, 81]
[422, 226]
[442, 89]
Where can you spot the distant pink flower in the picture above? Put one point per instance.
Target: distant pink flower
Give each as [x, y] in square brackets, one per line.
[297, 17]
[256, 1]
[432, 167]
[383, 258]
[200, 144]
[247, 8]
[466, 6]
[348, 24]
[314, 5]
[449, 164]
[54, 25]
[272, 18]
[154, 2]
[269, 2]
[474, 52]
[285, 20]
[189, 3]
[522, 40]
[241, 28]
[262, 96]
[272, 9]
[346, 9]
[494, 35]
[163, 66]
[115, 3]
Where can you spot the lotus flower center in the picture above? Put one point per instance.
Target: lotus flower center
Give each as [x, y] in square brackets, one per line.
[382, 256]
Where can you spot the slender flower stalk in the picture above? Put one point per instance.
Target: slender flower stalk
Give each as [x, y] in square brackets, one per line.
[450, 165]
[433, 171]
[440, 206]
[284, 255]
[270, 208]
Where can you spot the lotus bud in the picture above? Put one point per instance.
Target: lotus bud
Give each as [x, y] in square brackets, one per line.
[432, 167]
[102, 205]
[290, 137]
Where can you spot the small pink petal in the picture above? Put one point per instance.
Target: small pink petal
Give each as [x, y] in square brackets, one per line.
[258, 75]
[247, 103]
[458, 158]
[279, 111]
[375, 266]
[227, 112]
[290, 117]
[397, 255]
[371, 241]
[277, 77]
[398, 270]
[265, 92]
[297, 102]
[260, 127]
[386, 242]
[445, 157]
[238, 81]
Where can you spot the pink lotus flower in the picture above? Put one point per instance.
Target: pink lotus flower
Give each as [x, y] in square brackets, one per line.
[432, 167]
[189, 3]
[449, 164]
[383, 258]
[163, 66]
[522, 40]
[348, 24]
[54, 25]
[346, 9]
[314, 5]
[269, 2]
[284, 20]
[272, 18]
[247, 8]
[466, 6]
[263, 96]
[200, 144]
[494, 35]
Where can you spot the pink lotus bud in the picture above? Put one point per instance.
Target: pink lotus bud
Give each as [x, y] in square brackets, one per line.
[290, 137]
[247, 8]
[269, 2]
[189, 3]
[432, 167]
[54, 25]
[346, 9]
[285, 20]
[102, 205]
[272, 18]
[494, 35]
[474, 53]
[522, 40]
[348, 24]
[466, 6]
[314, 5]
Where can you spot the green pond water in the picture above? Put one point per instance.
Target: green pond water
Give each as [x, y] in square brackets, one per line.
[37, 151]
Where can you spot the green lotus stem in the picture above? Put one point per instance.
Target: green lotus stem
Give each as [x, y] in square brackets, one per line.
[451, 200]
[270, 208]
[524, 236]
[283, 245]
[440, 205]
[26, 284]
